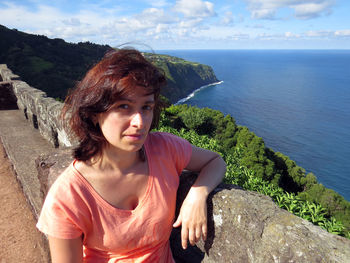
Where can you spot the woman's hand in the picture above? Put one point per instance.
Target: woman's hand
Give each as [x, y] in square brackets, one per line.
[193, 217]
[193, 212]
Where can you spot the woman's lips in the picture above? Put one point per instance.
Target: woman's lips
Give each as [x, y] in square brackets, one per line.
[134, 137]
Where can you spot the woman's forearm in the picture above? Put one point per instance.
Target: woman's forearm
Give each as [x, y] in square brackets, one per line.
[193, 212]
[210, 176]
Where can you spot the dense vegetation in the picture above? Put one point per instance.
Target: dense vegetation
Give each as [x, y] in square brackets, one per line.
[54, 66]
[255, 167]
[51, 65]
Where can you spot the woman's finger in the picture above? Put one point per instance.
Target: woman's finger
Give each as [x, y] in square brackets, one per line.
[184, 236]
[198, 233]
[204, 231]
[177, 222]
[192, 236]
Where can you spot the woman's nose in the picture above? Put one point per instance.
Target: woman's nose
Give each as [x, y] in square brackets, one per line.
[137, 120]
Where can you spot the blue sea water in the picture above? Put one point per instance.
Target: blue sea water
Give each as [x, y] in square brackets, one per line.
[298, 101]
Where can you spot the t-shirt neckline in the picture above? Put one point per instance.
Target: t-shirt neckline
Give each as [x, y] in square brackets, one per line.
[105, 203]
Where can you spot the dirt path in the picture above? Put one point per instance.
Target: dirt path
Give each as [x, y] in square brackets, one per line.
[20, 241]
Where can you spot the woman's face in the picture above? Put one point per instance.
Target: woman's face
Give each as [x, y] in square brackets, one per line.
[126, 124]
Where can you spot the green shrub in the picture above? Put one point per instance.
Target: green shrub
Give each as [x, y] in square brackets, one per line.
[239, 174]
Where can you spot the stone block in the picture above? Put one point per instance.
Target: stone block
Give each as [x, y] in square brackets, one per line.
[6, 73]
[246, 226]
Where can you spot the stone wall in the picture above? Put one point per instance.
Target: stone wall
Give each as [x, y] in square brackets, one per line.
[42, 112]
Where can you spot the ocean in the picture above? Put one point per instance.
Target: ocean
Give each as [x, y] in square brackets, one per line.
[298, 101]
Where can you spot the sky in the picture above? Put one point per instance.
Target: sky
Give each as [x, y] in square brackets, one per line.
[186, 24]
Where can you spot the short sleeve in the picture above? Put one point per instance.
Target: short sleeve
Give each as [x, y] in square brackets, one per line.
[179, 149]
[63, 212]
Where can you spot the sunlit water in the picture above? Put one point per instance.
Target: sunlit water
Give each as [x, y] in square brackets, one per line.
[297, 101]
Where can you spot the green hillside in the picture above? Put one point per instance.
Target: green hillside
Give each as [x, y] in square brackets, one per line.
[54, 66]
[183, 76]
[268, 171]
[51, 65]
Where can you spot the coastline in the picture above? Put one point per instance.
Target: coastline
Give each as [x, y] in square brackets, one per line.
[197, 90]
[277, 105]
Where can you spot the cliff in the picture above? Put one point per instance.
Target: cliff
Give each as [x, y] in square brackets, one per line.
[183, 76]
[54, 66]
[243, 226]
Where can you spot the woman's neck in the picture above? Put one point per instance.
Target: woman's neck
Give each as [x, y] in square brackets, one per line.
[117, 162]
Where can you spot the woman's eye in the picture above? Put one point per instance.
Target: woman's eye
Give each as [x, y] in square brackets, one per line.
[123, 106]
[147, 107]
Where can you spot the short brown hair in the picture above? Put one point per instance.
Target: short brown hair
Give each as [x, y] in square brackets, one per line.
[117, 74]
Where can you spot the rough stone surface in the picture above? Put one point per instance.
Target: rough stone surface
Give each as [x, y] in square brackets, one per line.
[243, 226]
[6, 73]
[23, 144]
[42, 112]
[246, 226]
[50, 166]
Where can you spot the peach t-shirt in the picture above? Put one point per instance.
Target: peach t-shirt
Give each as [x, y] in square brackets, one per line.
[73, 208]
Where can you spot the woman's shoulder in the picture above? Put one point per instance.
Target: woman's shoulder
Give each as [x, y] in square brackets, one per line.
[170, 147]
[163, 136]
[168, 141]
[65, 182]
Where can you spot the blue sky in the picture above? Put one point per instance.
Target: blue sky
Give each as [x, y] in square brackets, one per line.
[187, 24]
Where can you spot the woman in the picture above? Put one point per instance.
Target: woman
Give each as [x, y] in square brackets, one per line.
[116, 201]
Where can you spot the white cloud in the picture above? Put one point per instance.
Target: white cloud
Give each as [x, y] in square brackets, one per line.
[263, 13]
[228, 18]
[304, 36]
[72, 22]
[342, 33]
[265, 36]
[288, 34]
[112, 27]
[303, 9]
[89, 24]
[181, 23]
[189, 23]
[150, 24]
[17, 16]
[291, 35]
[158, 3]
[239, 36]
[161, 28]
[318, 33]
[52, 22]
[312, 9]
[307, 35]
[195, 8]
[327, 33]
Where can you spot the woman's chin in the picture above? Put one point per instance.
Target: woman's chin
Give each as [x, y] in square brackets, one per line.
[135, 146]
